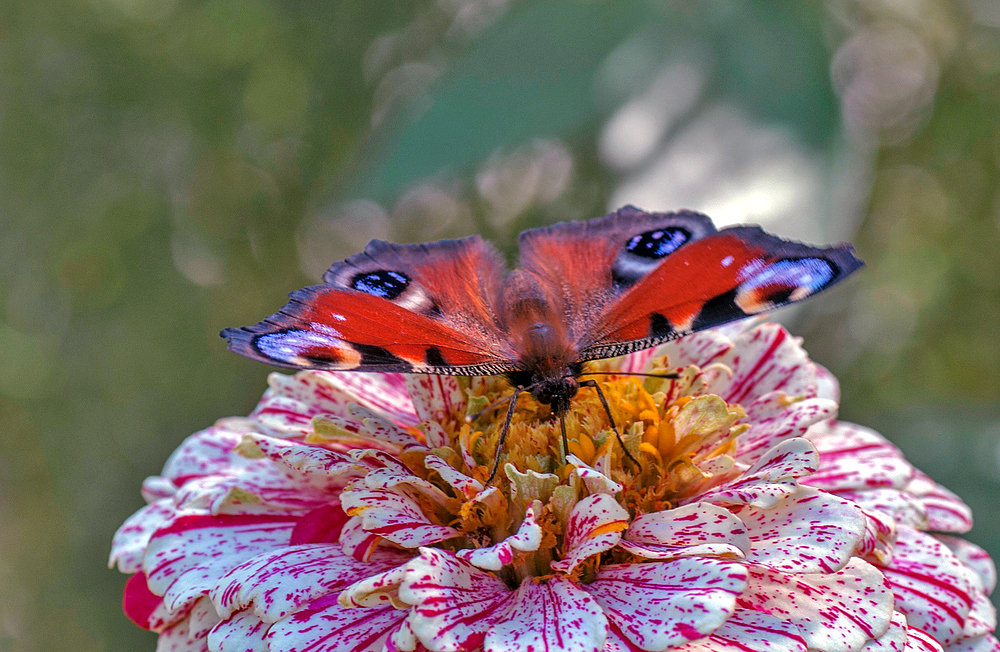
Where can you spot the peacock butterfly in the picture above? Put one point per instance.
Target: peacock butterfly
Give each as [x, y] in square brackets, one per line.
[585, 290]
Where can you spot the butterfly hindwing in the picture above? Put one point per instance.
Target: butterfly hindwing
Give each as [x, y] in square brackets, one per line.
[723, 277]
[426, 308]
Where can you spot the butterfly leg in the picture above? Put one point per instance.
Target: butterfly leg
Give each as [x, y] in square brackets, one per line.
[562, 426]
[611, 419]
[503, 434]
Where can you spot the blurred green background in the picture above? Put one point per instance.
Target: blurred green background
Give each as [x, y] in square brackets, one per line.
[172, 167]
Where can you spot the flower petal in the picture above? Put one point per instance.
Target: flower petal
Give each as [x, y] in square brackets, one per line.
[974, 557]
[986, 643]
[394, 516]
[327, 626]
[894, 639]
[839, 612]
[933, 588]
[243, 632]
[131, 539]
[376, 590]
[920, 641]
[809, 531]
[278, 583]
[555, 616]
[945, 511]
[436, 399]
[178, 638]
[658, 605]
[699, 529]
[854, 457]
[595, 525]
[462, 484]
[186, 559]
[767, 359]
[595, 481]
[455, 603]
[527, 538]
[771, 478]
[750, 630]
[773, 419]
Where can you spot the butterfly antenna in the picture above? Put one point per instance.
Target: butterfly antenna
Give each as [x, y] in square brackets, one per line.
[611, 419]
[670, 376]
[492, 406]
[503, 434]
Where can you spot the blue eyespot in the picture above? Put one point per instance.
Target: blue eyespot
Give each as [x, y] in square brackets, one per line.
[658, 243]
[784, 276]
[383, 283]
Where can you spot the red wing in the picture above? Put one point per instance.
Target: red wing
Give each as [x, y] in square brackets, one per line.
[425, 308]
[723, 277]
[587, 265]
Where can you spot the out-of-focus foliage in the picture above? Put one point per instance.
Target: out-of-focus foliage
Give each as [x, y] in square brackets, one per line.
[172, 167]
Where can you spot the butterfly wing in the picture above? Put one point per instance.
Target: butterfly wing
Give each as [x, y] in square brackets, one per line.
[427, 308]
[587, 266]
[722, 277]
[631, 280]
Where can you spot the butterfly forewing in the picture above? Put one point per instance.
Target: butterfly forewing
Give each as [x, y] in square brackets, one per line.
[425, 308]
[726, 276]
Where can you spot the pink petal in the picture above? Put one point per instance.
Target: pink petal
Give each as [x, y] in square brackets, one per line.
[701, 349]
[325, 626]
[394, 516]
[555, 616]
[853, 457]
[186, 559]
[203, 618]
[435, 398]
[357, 542]
[595, 525]
[838, 611]
[179, 639]
[747, 631]
[767, 359]
[278, 583]
[463, 485]
[975, 558]
[982, 618]
[658, 605]
[455, 603]
[527, 538]
[595, 481]
[130, 541]
[933, 588]
[773, 420]
[244, 632]
[920, 641]
[321, 525]
[809, 531]
[979, 644]
[699, 529]
[381, 393]
[899, 506]
[145, 608]
[771, 478]
[310, 461]
[945, 511]
[378, 426]
[376, 590]
[894, 639]
[879, 538]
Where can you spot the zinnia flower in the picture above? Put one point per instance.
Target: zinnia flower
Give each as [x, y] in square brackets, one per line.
[351, 513]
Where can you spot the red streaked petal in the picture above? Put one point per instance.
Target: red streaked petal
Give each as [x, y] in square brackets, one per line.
[699, 529]
[555, 615]
[455, 603]
[655, 606]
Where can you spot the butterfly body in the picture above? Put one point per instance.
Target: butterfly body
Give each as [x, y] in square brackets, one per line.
[583, 291]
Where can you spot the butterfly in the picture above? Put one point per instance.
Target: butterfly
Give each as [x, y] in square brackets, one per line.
[584, 291]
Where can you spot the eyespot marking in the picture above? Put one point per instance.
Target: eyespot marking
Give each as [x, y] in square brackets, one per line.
[781, 282]
[307, 349]
[658, 243]
[383, 283]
